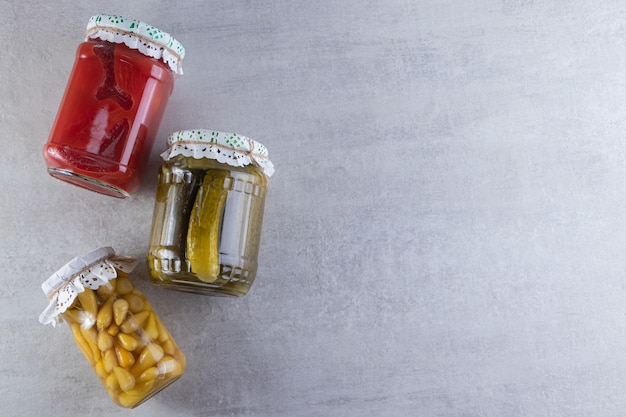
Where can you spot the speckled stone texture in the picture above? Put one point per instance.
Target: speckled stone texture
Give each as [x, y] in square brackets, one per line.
[444, 235]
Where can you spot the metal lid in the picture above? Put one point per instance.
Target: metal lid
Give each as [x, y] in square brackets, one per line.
[230, 148]
[138, 35]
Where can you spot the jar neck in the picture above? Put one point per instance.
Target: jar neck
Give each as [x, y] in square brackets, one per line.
[150, 50]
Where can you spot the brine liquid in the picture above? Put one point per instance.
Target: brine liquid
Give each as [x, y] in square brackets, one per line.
[239, 220]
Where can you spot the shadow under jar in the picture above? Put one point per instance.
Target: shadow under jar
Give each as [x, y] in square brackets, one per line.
[208, 213]
[113, 104]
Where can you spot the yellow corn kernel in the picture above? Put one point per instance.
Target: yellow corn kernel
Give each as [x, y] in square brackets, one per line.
[149, 356]
[112, 383]
[105, 315]
[114, 329]
[127, 341]
[129, 325]
[141, 343]
[135, 302]
[91, 337]
[109, 360]
[124, 285]
[136, 395]
[169, 347]
[141, 317]
[164, 334]
[73, 315]
[84, 318]
[170, 367]
[120, 309]
[149, 374]
[128, 401]
[88, 301]
[99, 368]
[125, 378]
[134, 321]
[141, 389]
[82, 343]
[106, 291]
[151, 329]
[124, 357]
[121, 273]
[105, 341]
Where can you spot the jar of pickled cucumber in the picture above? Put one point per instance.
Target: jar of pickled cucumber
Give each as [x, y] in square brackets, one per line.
[208, 212]
[114, 325]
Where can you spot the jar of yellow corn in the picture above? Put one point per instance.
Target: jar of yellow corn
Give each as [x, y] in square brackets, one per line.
[208, 212]
[114, 325]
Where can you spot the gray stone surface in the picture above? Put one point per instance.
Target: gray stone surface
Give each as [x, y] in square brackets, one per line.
[444, 236]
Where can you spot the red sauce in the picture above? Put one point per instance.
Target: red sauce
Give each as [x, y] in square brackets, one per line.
[108, 118]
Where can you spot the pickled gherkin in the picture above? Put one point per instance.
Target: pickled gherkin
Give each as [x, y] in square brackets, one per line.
[176, 202]
[209, 242]
[204, 227]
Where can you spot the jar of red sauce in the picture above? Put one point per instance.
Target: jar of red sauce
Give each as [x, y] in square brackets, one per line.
[113, 105]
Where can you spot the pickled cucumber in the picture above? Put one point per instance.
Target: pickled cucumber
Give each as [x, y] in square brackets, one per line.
[203, 236]
[175, 201]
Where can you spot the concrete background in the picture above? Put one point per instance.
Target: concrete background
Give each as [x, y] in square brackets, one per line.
[444, 236]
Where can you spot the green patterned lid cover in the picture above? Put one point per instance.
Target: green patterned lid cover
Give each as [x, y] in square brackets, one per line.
[138, 35]
[229, 148]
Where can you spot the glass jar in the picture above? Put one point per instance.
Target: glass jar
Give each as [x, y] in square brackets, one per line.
[208, 213]
[115, 327]
[113, 105]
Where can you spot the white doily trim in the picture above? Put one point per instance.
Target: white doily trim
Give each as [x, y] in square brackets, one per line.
[147, 48]
[229, 148]
[140, 36]
[91, 270]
